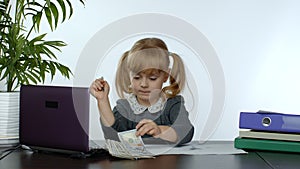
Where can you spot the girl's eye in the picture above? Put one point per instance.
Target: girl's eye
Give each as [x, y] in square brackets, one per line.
[136, 77]
[153, 78]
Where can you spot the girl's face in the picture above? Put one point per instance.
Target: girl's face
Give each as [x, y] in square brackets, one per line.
[147, 85]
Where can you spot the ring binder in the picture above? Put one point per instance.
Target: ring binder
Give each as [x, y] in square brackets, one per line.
[278, 122]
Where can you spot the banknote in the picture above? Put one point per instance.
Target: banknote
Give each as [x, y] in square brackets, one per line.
[130, 146]
[131, 141]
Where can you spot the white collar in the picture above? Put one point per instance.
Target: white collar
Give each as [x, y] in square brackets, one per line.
[138, 109]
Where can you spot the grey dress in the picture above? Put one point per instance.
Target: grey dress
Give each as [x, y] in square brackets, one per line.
[173, 114]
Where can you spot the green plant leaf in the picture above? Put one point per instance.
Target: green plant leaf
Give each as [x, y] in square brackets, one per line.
[23, 54]
[55, 44]
[30, 76]
[63, 9]
[55, 13]
[48, 52]
[38, 38]
[71, 8]
[52, 69]
[36, 19]
[31, 11]
[48, 2]
[82, 2]
[49, 17]
[43, 71]
[34, 3]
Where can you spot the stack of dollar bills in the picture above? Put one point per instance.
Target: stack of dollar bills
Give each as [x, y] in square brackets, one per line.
[130, 146]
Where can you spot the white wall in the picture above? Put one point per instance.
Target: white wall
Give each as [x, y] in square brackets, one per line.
[257, 43]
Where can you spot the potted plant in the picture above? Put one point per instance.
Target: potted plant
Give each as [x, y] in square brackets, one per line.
[26, 57]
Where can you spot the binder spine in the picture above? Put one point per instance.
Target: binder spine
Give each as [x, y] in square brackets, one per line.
[276, 122]
[264, 144]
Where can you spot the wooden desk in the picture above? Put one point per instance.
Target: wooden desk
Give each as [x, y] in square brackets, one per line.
[24, 159]
[281, 160]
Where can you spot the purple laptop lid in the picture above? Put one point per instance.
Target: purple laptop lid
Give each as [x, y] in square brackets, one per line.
[54, 117]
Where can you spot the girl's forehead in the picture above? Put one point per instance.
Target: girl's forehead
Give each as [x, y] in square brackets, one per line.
[147, 72]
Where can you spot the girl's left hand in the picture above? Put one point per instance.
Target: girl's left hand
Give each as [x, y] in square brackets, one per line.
[147, 126]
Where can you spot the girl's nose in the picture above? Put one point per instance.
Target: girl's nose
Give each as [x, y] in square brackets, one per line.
[144, 83]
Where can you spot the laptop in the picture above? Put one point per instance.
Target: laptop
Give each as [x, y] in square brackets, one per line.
[55, 118]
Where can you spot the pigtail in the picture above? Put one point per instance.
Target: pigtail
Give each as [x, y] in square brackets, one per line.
[122, 76]
[176, 78]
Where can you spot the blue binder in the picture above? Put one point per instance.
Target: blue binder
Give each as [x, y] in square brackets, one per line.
[270, 121]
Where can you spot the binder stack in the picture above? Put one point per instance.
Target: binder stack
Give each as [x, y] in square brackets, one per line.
[268, 131]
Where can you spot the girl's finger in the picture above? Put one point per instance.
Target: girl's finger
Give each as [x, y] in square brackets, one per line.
[142, 122]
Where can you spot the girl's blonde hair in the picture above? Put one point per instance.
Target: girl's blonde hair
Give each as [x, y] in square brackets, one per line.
[147, 54]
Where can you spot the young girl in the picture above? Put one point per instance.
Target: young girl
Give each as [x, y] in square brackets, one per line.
[156, 111]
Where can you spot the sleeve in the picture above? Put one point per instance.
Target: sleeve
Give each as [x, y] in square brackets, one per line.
[121, 124]
[180, 121]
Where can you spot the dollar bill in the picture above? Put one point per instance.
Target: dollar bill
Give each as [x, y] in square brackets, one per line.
[131, 141]
[130, 146]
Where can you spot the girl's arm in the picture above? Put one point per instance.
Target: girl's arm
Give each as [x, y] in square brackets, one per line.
[180, 120]
[167, 133]
[147, 126]
[106, 114]
[100, 90]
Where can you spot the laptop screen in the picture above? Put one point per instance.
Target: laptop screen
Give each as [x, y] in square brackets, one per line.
[54, 117]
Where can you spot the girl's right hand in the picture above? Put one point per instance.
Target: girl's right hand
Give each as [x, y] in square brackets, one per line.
[99, 89]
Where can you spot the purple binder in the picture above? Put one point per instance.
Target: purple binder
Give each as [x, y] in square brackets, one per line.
[270, 121]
